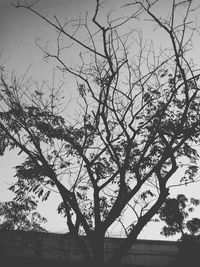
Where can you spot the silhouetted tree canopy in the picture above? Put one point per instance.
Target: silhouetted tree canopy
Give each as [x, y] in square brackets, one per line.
[135, 122]
[21, 216]
[176, 213]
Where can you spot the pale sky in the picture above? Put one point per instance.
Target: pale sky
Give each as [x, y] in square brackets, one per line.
[18, 31]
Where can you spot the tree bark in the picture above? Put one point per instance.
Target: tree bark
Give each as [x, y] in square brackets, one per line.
[98, 250]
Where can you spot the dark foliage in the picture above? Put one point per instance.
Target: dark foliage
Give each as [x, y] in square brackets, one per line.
[21, 216]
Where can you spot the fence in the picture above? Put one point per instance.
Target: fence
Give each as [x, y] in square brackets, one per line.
[61, 247]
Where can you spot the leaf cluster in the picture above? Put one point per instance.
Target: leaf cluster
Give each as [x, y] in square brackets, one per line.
[15, 215]
[175, 213]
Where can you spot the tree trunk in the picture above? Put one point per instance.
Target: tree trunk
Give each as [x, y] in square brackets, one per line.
[98, 251]
[131, 239]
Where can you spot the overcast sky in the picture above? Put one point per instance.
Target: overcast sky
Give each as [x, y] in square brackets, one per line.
[18, 31]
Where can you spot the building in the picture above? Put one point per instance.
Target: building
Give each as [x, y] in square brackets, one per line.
[20, 248]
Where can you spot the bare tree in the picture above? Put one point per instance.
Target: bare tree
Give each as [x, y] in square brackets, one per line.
[138, 123]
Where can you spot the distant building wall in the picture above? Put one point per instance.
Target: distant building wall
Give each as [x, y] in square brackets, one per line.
[61, 247]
